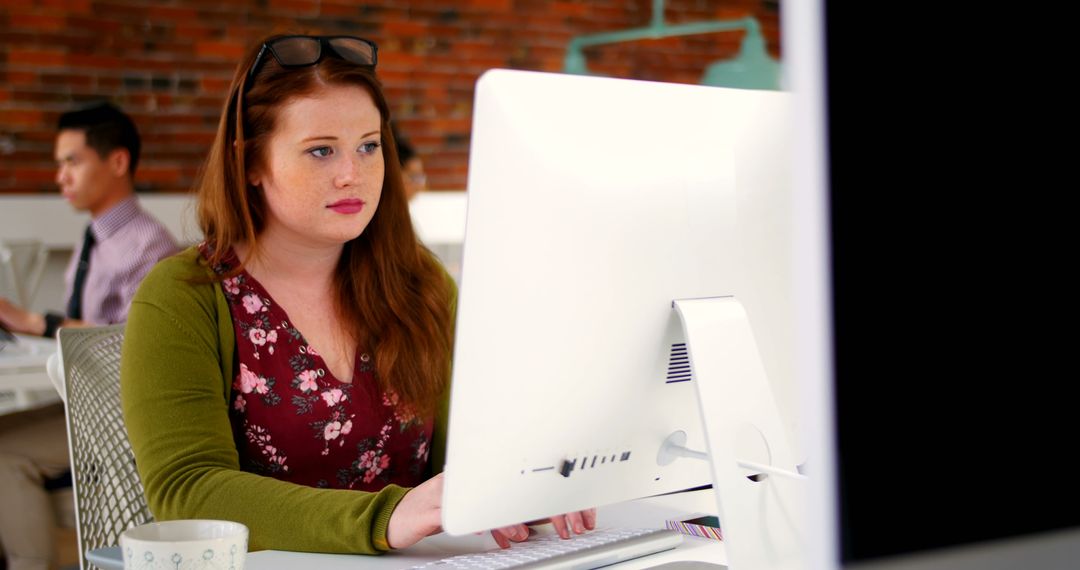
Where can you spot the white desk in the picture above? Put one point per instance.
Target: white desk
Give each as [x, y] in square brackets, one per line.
[641, 513]
[23, 372]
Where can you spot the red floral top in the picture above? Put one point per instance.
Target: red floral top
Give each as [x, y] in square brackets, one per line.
[292, 420]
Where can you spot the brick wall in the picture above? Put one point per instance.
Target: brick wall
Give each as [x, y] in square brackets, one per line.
[169, 63]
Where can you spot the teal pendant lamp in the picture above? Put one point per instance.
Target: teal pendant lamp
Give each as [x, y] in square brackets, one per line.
[752, 68]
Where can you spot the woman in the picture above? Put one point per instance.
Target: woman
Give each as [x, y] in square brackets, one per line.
[291, 372]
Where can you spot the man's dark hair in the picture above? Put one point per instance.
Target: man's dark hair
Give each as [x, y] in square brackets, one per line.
[107, 128]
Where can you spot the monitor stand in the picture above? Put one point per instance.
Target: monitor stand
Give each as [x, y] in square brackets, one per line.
[759, 497]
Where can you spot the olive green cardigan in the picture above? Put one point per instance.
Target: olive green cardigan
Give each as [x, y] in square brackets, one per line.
[176, 376]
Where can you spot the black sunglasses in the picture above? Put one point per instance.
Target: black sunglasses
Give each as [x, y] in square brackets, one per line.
[302, 51]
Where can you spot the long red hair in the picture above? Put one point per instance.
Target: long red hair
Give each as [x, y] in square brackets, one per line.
[391, 290]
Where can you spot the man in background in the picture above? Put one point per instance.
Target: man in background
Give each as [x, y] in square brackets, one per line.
[97, 151]
[412, 168]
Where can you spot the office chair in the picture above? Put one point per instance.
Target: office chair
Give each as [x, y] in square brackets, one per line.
[109, 495]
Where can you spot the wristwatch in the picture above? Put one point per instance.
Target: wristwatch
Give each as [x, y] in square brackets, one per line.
[52, 322]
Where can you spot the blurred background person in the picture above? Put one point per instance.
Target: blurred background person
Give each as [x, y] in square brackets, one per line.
[412, 167]
[97, 151]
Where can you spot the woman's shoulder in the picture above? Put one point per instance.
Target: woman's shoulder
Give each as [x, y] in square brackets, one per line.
[184, 271]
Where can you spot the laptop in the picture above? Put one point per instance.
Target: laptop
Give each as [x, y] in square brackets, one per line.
[10, 344]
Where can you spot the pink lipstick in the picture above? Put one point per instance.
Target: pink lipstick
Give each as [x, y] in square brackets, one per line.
[347, 206]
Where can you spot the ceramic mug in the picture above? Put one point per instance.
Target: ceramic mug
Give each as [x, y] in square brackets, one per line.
[185, 545]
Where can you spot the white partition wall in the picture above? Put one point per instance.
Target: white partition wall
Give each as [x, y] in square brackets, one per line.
[439, 218]
[51, 220]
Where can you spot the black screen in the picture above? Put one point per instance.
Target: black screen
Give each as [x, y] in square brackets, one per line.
[952, 247]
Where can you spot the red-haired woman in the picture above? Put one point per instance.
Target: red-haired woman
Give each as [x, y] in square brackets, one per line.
[291, 372]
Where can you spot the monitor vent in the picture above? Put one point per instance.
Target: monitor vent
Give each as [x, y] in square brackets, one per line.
[679, 364]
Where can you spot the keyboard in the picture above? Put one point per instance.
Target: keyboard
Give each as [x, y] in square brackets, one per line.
[593, 549]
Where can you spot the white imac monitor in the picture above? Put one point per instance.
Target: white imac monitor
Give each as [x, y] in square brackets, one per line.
[593, 205]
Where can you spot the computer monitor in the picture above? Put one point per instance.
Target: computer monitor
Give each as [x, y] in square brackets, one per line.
[936, 386]
[593, 205]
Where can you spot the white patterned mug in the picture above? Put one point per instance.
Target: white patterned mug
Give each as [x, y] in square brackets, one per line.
[185, 545]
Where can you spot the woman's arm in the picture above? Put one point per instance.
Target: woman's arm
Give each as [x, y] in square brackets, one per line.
[175, 376]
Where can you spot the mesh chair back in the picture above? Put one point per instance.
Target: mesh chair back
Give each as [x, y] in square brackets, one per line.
[109, 496]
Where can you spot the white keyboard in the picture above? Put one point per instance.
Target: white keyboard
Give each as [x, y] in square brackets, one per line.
[593, 549]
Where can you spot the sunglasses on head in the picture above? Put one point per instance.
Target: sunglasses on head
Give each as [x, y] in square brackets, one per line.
[302, 51]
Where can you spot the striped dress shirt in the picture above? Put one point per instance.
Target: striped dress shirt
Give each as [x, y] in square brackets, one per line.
[129, 242]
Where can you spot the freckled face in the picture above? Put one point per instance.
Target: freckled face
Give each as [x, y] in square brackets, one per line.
[323, 170]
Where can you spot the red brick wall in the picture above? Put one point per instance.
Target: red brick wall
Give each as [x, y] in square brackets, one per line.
[169, 65]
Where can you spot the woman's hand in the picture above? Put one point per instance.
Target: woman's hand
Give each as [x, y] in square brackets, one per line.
[417, 515]
[578, 522]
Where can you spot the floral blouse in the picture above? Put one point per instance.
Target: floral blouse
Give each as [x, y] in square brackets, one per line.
[292, 420]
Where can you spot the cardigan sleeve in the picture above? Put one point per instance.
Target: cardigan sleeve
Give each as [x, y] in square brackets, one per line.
[176, 370]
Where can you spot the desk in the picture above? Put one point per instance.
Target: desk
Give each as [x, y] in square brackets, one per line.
[23, 372]
[651, 512]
